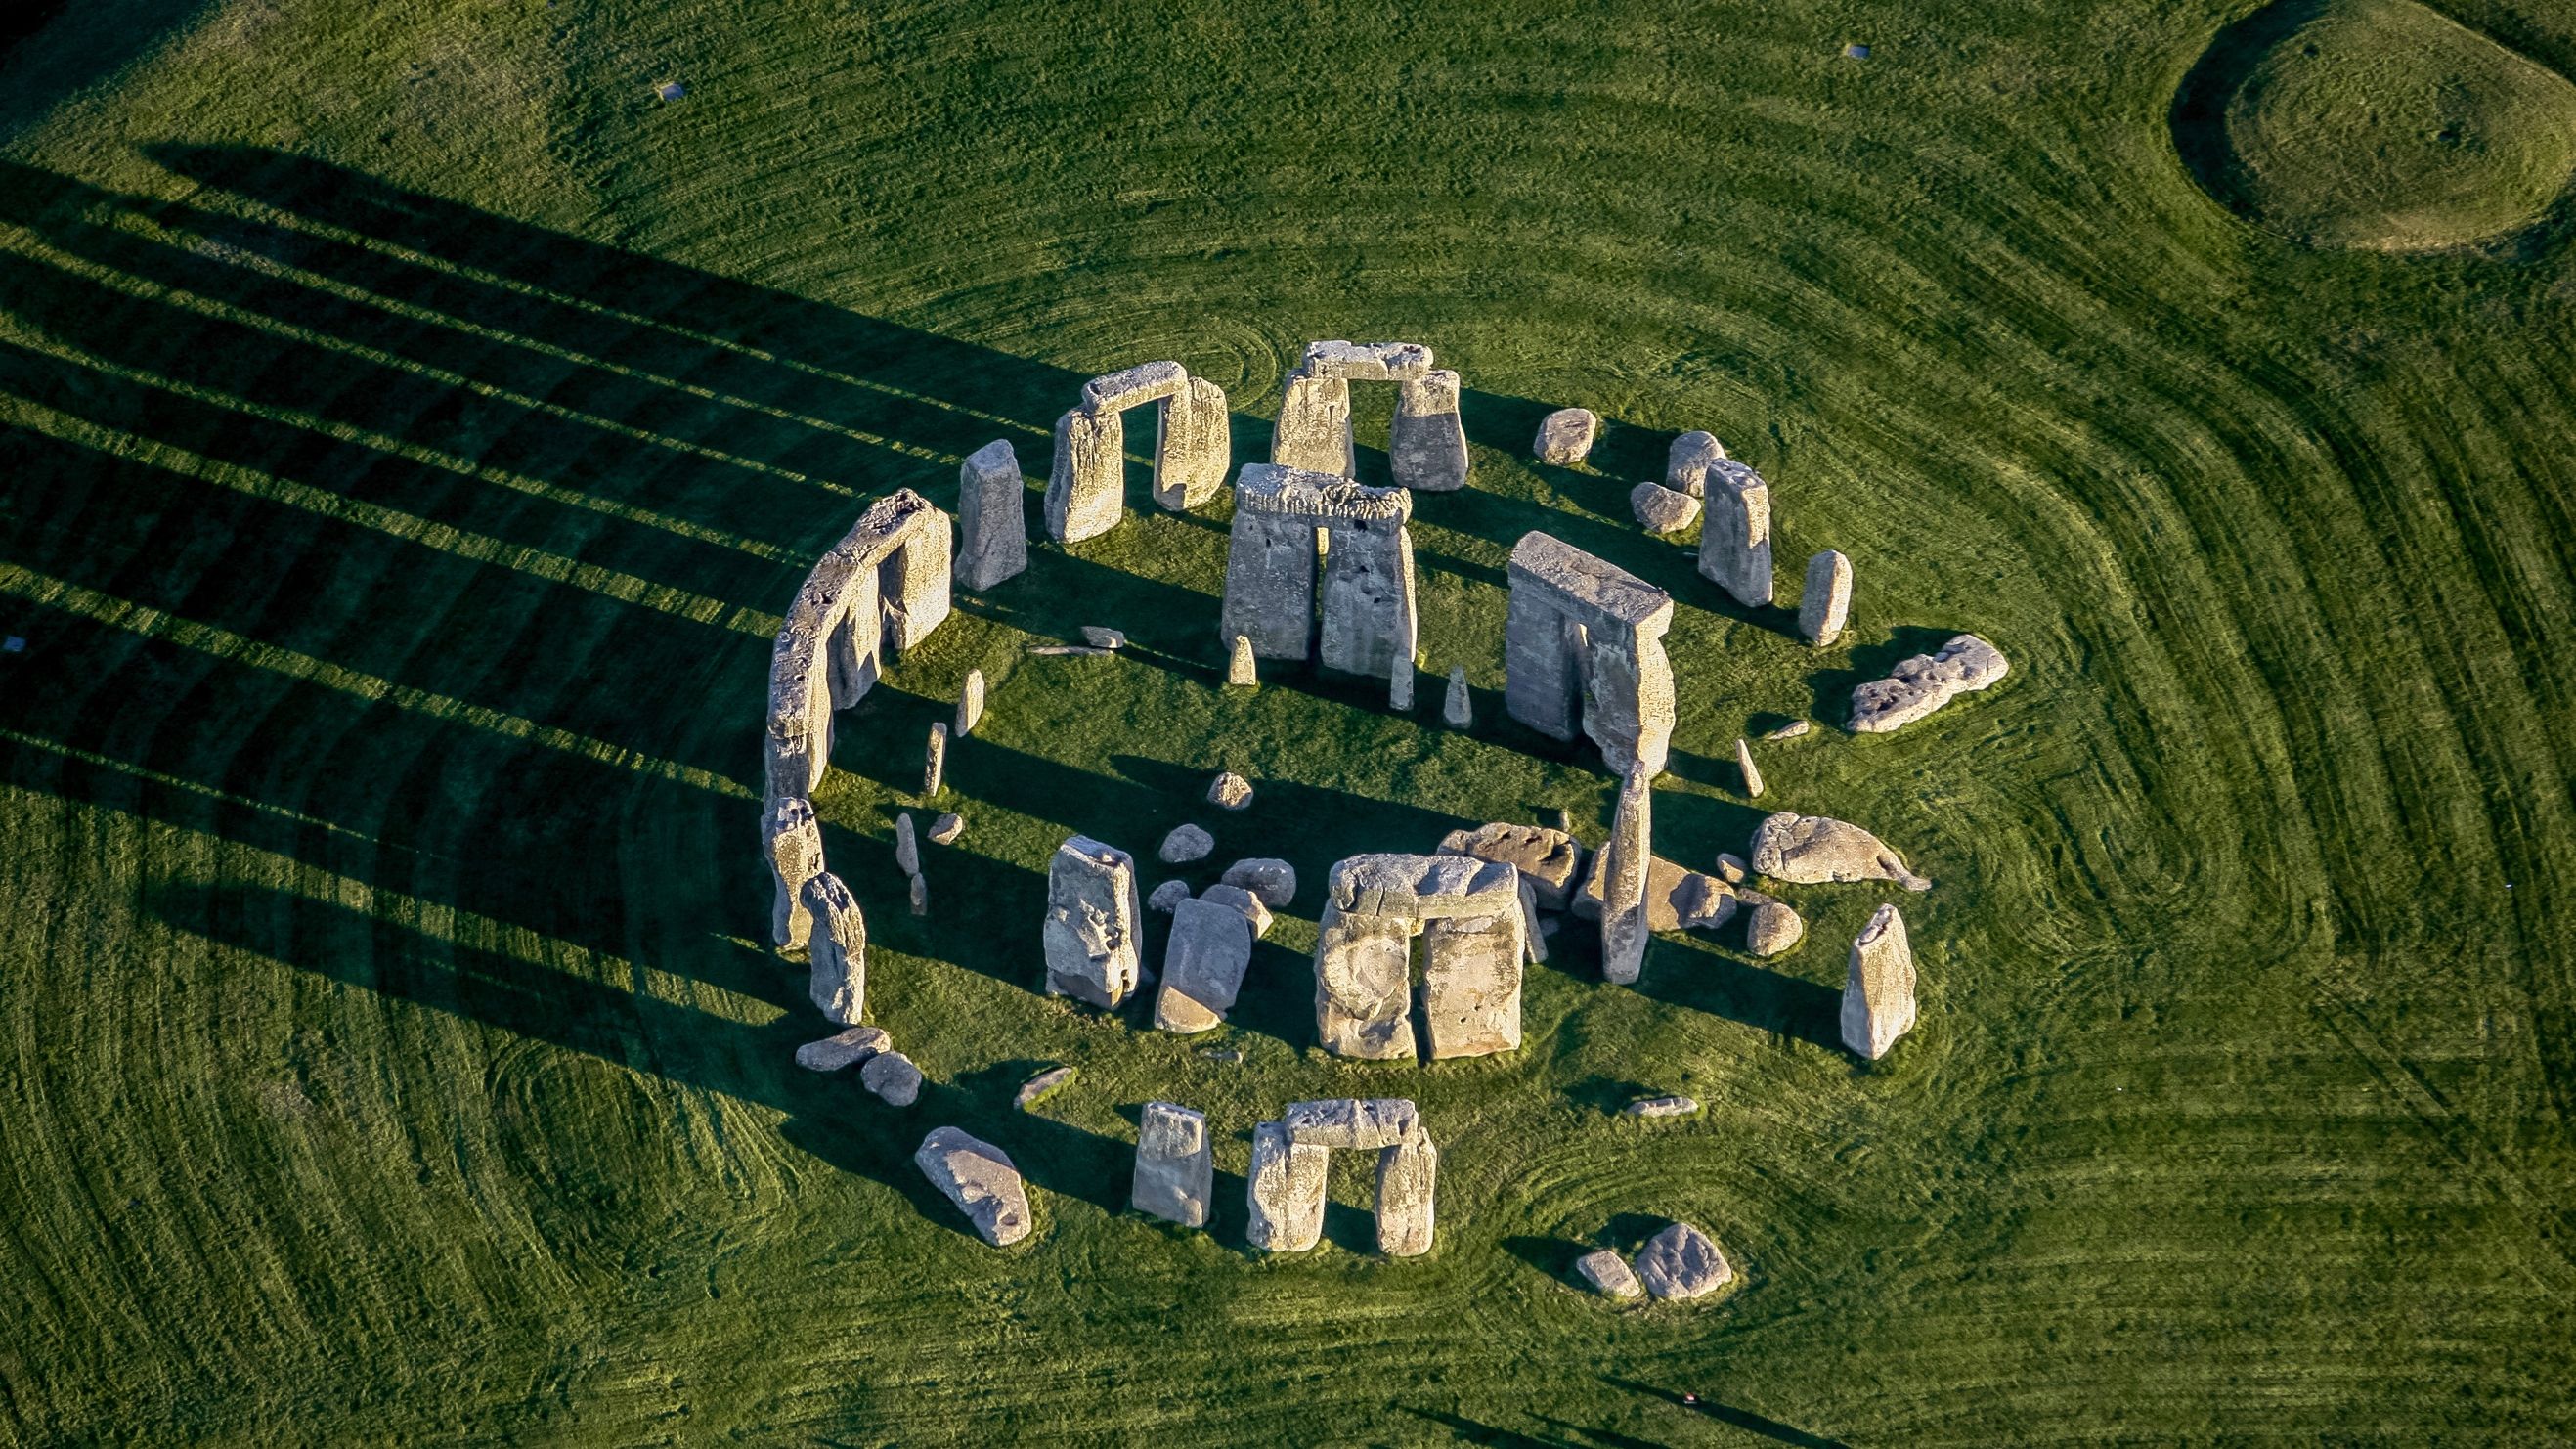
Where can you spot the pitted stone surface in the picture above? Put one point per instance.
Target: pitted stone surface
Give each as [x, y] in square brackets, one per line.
[1730, 867]
[794, 845]
[1746, 771]
[1203, 966]
[1352, 1122]
[1145, 382]
[1687, 461]
[1608, 1273]
[1086, 488]
[1676, 899]
[1735, 537]
[839, 980]
[1272, 551]
[1407, 1174]
[992, 517]
[1471, 981]
[1367, 361]
[1239, 668]
[1825, 606]
[1193, 446]
[1368, 591]
[1458, 706]
[844, 1049]
[1878, 989]
[1168, 896]
[1427, 442]
[893, 1078]
[1275, 881]
[1924, 683]
[1423, 887]
[907, 848]
[1681, 1262]
[1772, 928]
[1548, 860]
[1661, 510]
[934, 760]
[1175, 1165]
[979, 1178]
[1363, 993]
[1313, 430]
[1285, 1190]
[1814, 850]
[1565, 436]
[1091, 940]
[1622, 868]
[946, 829]
[886, 583]
[1229, 791]
[1583, 648]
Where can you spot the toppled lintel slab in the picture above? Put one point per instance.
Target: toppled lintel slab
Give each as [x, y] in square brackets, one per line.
[1592, 590]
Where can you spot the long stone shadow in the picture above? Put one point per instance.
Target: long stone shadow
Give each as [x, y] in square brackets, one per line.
[1745, 1419]
[1766, 1000]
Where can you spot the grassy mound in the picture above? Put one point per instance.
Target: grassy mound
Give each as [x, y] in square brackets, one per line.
[2379, 124]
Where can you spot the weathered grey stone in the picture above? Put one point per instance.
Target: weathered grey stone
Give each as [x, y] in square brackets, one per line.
[1623, 874]
[1458, 708]
[1813, 850]
[1362, 993]
[886, 583]
[1661, 1107]
[1078, 651]
[1100, 636]
[1313, 431]
[1407, 1173]
[1676, 899]
[1203, 965]
[794, 845]
[1608, 1273]
[934, 760]
[1368, 587]
[1091, 940]
[1367, 361]
[1681, 1262]
[970, 704]
[1175, 1165]
[839, 978]
[1423, 887]
[1878, 991]
[1239, 668]
[1790, 731]
[1193, 447]
[1086, 489]
[1275, 881]
[1469, 913]
[1168, 895]
[1145, 382]
[1399, 683]
[979, 1178]
[1687, 461]
[1825, 605]
[844, 1049]
[1471, 982]
[1236, 898]
[1229, 791]
[1546, 859]
[946, 829]
[1565, 436]
[1352, 1122]
[1924, 683]
[992, 517]
[1285, 1190]
[1661, 510]
[907, 849]
[1735, 538]
[918, 888]
[1583, 647]
[1186, 843]
[1272, 549]
[1042, 1086]
[1772, 928]
[1746, 770]
[1533, 934]
[893, 1078]
[1730, 867]
[1427, 442]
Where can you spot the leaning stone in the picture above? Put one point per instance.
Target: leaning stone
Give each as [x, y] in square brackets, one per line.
[1427, 444]
[1533, 932]
[1565, 436]
[907, 850]
[970, 704]
[839, 980]
[1735, 539]
[1458, 710]
[1924, 683]
[1661, 1107]
[1791, 730]
[1608, 1273]
[946, 829]
[1661, 510]
[1236, 898]
[1745, 768]
[919, 890]
[1547, 859]
[979, 1178]
[1772, 928]
[1682, 1262]
[794, 844]
[1090, 938]
[1086, 489]
[1186, 843]
[1686, 463]
[845, 1050]
[992, 517]
[1038, 1088]
[1175, 1165]
[1275, 881]
[1878, 990]
[1229, 791]
[1203, 966]
[1623, 875]
[1168, 895]
[1814, 850]
[1352, 1123]
[1239, 668]
[1145, 382]
[1730, 867]
[1825, 607]
[893, 1077]
[1285, 1190]
[1407, 1175]
[1193, 443]
[934, 765]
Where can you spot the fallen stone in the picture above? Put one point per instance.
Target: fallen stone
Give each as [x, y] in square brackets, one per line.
[1565, 436]
[1681, 1262]
[979, 1178]
[1350, 1122]
[1407, 1174]
[1203, 966]
[1676, 899]
[1661, 509]
[1772, 928]
[1236, 898]
[1228, 1055]
[1458, 710]
[992, 518]
[970, 704]
[1229, 791]
[907, 849]
[1284, 1188]
[1924, 683]
[1038, 1088]
[1815, 850]
[1661, 1107]
[1791, 730]
[794, 845]
[946, 829]
[1825, 605]
[1686, 463]
[1878, 990]
[839, 980]
[1100, 637]
[1750, 773]
[1168, 895]
[1730, 867]
[1275, 881]
[934, 764]
[844, 1050]
[1079, 651]
[1186, 843]
[919, 890]
[893, 1078]
[1608, 1273]
[1547, 859]
[1175, 1165]
[1239, 668]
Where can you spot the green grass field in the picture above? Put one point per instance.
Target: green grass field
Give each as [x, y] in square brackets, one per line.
[410, 429]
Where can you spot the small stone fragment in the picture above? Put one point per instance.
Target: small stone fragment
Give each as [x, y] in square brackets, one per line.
[1186, 843]
[907, 850]
[1081, 651]
[934, 766]
[1682, 1262]
[1565, 436]
[839, 978]
[1227, 1055]
[1458, 710]
[1275, 881]
[1175, 1165]
[1039, 1087]
[893, 1077]
[1924, 683]
[979, 1178]
[847, 1049]
[1608, 1273]
[1744, 767]
[1791, 730]
[1547, 859]
[1237, 898]
[1239, 668]
[1350, 1122]
[1813, 850]
[1772, 928]
[946, 829]
[970, 704]
[919, 889]
[1730, 867]
[1168, 895]
[1285, 1190]
[1661, 1107]
[1878, 991]
[1825, 605]
[1103, 638]
[1661, 509]
[1229, 791]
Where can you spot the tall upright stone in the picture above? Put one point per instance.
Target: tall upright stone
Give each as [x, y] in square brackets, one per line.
[885, 584]
[794, 845]
[1583, 648]
[1624, 861]
[1825, 607]
[1468, 913]
[1427, 443]
[1175, 1165]
[1086, 488]
[934, 762]
[1405, 1179]
[1735, 534]
[1878, 991]
[907, 844]
[839, 985]
[1193, 444]
[1093, 949]
[1313, 432]
[1270, 575]
[1368, 583]
[1284, 1189]
[970, 703]
[992, 517]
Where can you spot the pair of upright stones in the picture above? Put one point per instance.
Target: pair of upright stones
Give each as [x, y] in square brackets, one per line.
[1735, 538]
[1426, 443]
[1286, 1183]
[1193, 445]
[1472, 916]
[1303, 539]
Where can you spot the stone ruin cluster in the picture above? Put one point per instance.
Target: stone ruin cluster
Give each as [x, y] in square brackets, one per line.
[1319, 568]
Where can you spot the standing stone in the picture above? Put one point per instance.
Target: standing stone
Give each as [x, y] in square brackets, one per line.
[839, 984]
[1687, 461]
[1681, 1262]
[1285, 1190]
[1772, 928]
[1175, 1165]
[1533, 931]
[1878, 992]
[1815, 849]
[970, 704]
[979, 1178]
[794, 844]
[1239, 668]
[1623, 881]
[1270, 557]
[1427, 443]
[1469, 914]
[1368, 600]
[1363, 996]
[919, 890]
[1583, 649]
[1608, 1273]
[1405, 1178]
[1735, 538]
[1458, 710]
[1085, 494]
[1314, 427]
[1471, 981]
[1565, 436]
[907, 849]
[1193, 444]
[992, 516]
[1661, 510]
[1826, 605]
[934, 761]
[1745, 767]
[1924, 683]
[1399, 683]
[1203, 966]
[893, 1078]
[1091, 940]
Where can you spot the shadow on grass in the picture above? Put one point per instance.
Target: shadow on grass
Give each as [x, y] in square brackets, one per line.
[1831, 689]
[1745, 1419]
